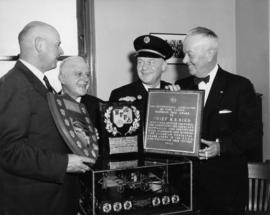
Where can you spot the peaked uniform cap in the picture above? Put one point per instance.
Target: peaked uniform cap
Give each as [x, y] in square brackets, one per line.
[152, 46]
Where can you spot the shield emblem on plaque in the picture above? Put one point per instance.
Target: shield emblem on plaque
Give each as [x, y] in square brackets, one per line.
[75, 126]
[122, 116]
[121, 129]
[122, 120]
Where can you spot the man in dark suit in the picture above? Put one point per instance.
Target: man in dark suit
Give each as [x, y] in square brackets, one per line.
[74, 77]
[230, 126]
[151, 53]
[37, 169]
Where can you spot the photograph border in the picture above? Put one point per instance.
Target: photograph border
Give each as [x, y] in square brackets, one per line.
[175, 40]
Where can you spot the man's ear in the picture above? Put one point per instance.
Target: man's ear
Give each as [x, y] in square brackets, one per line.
[164, 65]
[39, 44]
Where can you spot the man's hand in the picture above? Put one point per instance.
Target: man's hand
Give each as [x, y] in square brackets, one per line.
[78, 163]
[173, 87]
[212, 149]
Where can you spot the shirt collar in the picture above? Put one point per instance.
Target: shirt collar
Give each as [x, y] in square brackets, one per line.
[78, 99]
[213, 73]
[34, 70]
[147, 87]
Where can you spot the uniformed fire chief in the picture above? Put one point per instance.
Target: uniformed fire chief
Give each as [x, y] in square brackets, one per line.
[151, 54]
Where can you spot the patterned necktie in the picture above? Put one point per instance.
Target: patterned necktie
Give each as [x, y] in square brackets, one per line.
[48, 85]
[204, 79]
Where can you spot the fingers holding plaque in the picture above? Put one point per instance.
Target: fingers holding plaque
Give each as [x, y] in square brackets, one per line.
[74, 124]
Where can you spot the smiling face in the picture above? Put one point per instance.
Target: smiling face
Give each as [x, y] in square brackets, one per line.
[200, 55]
[74, 77]
[150, 70]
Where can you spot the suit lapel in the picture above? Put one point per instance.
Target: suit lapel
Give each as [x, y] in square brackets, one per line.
[215, 94]
[189, 84]
[192, 85]
[38, 86]
[141, 90]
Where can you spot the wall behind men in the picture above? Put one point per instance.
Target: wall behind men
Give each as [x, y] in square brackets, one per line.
[46, 11]
[252, 53]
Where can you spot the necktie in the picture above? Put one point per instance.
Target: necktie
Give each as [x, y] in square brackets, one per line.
[48, 85]
[204, 79]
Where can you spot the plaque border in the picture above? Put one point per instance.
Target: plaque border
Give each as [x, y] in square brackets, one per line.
[105, 135]
[198, 123]
[61, 125]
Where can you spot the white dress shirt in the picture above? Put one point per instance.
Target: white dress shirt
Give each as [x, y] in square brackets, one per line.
[147, 87]
[207, 86]
[35, 71]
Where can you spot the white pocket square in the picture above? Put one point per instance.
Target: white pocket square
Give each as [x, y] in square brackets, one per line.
[225, 111]
[128, 99]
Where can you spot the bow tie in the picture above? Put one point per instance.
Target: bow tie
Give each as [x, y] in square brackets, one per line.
[204, 79]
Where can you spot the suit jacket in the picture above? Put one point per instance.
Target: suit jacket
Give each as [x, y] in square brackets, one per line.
[137, 90]
[231, 115]
[33, 156]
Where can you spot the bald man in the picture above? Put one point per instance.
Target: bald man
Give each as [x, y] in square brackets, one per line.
[74, 76]
[38, 173]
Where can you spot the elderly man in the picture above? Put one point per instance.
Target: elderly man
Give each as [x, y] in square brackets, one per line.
[231, 125]
[151, 53]
[74, 77]
[37, 169]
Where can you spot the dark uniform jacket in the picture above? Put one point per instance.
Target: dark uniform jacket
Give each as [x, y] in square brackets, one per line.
[231, 115]
[92, 106]
[33, 156]
[137, 90]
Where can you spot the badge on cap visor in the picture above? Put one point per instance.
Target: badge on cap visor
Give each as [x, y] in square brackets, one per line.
[146, 39]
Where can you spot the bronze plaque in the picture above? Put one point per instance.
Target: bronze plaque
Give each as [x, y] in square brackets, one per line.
[121, 127]
[74, 124]
[173, 123]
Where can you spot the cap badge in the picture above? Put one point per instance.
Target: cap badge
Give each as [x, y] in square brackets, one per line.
[146, 39]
